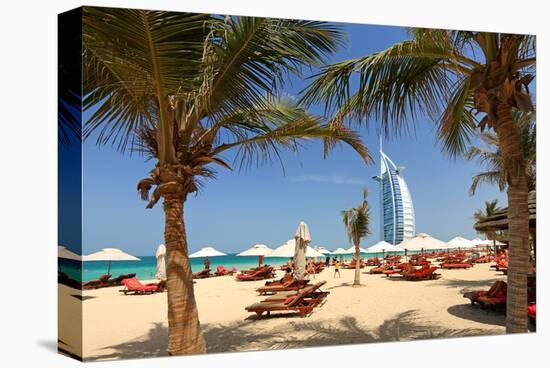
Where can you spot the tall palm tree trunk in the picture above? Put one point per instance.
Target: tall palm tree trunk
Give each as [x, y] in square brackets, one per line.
[357, 279]
[184, 333]
[518, 221]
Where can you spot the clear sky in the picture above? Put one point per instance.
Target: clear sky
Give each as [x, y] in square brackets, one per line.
[263, 205]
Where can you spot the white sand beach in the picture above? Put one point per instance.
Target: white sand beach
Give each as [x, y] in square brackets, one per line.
[116, 326]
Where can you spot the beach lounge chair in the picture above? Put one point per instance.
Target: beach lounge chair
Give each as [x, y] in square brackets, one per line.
[202, 274]
[425, 273]
[134, 286]
[222, 271]
[474, 295]
[457, 265]
[99, 282]
[286, 286]
[260, 274]
[311, 290]
[497, 298]
[302, 302]
[118, 280]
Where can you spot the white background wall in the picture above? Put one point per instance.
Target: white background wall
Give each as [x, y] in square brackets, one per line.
[28, 181]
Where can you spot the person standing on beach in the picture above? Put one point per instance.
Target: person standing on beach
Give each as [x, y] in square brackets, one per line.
[337, 269]
[327, 261]
[206, 263]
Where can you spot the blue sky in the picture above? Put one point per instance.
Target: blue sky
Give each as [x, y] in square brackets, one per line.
[263, 205]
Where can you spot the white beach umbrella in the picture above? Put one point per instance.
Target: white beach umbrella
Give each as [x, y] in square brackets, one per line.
[423, 241]
[352, 250]
[161, 262]
[206, 252]
[491, 242]
[460, 242]
[383, 246]
[259, 250]
[323, 250]
[110, 255]
[287, 250]
[340, 251]
[63, 252]
[477, 241]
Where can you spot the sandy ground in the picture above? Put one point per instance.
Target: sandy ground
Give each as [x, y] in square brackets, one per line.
[118, 327]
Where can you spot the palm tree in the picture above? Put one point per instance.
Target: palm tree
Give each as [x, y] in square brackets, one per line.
[357, 221]
[465, 81]
[491, 207]
[187, 89]
[491, 156]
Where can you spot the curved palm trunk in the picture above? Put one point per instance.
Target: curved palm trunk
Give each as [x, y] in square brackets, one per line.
[184, 333]
[357, 279]
[518, 222]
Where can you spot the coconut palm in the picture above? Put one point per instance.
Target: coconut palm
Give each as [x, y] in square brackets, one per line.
[465, 81]
[190, 91]
[357, 221]
[491, 207]
[490, 155]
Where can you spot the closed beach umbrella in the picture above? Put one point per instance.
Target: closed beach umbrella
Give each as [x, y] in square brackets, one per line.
[161, 262]
[110, 255]
[63, 252]
[423, 241]
[302, 239]
[259, 250]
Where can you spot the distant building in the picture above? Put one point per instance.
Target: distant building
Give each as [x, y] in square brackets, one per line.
[396, 207]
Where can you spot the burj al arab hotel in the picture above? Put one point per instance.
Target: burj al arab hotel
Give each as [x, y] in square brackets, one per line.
[396, 206]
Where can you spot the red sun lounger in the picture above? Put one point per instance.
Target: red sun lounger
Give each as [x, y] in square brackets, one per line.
[134, 286]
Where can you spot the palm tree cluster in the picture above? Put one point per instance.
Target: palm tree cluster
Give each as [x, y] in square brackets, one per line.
[197, 92]
[190, 91]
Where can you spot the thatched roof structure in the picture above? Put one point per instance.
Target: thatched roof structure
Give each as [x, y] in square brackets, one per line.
[499, 221]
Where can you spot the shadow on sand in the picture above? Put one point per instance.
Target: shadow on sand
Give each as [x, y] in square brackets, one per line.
[476, 314]
[250, 335]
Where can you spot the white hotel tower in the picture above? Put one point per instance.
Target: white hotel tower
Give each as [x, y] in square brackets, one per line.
[397, 220]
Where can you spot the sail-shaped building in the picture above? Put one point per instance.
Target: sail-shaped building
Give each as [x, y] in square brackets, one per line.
[396, 206]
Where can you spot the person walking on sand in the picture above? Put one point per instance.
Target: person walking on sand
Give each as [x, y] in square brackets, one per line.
[337, 269]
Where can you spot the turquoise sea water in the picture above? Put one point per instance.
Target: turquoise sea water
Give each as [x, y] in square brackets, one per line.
[146, 268]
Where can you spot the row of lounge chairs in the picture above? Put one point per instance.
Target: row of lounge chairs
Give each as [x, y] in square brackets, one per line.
[106, 281]
[302, 301]
[258, 273]
[408, 271]
[220, 271]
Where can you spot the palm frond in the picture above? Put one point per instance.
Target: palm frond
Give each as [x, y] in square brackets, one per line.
[283, 126]
[249, 57]
[133, 61]
[396, 83]
[458, 123]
